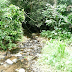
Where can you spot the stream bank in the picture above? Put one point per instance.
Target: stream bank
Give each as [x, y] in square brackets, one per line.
[24, 57]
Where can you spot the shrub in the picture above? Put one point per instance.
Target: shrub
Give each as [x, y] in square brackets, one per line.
[55, 34]
[54, 17]
[59, 23]
[10, 26]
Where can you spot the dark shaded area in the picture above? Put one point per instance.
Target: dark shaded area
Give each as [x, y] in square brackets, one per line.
[29, 29]
[45, 27]
[67, 27]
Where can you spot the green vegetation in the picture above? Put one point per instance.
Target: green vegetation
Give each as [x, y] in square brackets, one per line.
[58, 23]
[10, 25]
[55, 34]
[55, 54]
[53, 18]
[52, 15]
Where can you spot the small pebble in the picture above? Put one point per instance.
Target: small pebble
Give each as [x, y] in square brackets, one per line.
[16, 70]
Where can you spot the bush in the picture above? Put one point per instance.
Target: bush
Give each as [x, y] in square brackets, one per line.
[55, 34]
[10, 26]
[58, 22]
[54, 17]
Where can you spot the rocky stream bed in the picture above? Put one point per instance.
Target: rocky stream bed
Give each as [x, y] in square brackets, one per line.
[24, 58]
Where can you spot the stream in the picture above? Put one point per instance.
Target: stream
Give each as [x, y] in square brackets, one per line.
[24, 58]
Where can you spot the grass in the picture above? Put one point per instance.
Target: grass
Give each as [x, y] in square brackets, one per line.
[55, 54]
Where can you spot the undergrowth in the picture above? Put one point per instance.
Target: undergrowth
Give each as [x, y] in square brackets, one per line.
[55, 54]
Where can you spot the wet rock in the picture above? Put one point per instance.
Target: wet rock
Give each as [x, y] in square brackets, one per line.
[2, 57]
[1, 63]
[29, 58]
[22, 49]
[23, 54]
[25, 51]
[16, 70]
[8, 61]
[21, 57]
[6, 65]
[14, 60]
[28, 50]
[18, 54]
[22, 46]
[21, 70]
[31, 47]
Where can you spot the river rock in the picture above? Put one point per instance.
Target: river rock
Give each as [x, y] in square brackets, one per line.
[21, 70]
[6, 65]
[8, 61]
[2, 57]
[1, 63]
[14, 60]
[18, 54]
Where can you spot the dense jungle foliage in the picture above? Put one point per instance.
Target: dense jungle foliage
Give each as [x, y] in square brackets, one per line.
[51, 18]
[48, 15]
